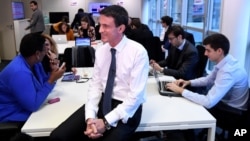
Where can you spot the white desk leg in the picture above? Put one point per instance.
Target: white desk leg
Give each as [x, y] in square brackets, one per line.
[211, 133]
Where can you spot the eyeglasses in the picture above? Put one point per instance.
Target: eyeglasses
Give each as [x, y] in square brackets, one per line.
[171, 38]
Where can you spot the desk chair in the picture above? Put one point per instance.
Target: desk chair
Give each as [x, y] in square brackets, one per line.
[8, 130]
[79, 57]
[201, 65]
[153, 47]
[189, 37]
[200, 68]
[229, 126]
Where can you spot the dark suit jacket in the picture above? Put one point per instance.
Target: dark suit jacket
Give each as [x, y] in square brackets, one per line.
[182, 65]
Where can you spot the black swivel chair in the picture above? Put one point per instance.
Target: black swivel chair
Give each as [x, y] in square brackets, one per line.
[200, 68]
[189, 37]
[153, 47]
[201, 65]
[8, 130]
[79, 57]
[229, 126]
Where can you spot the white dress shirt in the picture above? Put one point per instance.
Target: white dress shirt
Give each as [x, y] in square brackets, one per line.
[132, 65]
[229, 84]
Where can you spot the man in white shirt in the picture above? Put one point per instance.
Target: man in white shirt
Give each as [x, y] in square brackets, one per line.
[228, 97]
[90, 122]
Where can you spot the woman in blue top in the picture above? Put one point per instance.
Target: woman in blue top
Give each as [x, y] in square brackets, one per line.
[24, 85]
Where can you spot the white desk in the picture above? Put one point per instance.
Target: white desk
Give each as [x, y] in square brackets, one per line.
[159, 112]
[61, 47]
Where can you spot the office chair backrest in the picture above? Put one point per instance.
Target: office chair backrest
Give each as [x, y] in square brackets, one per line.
[189, 37]
[9, 130]
[79, 57]
[67, 58]
[83, 56]
[201, 65]
[153, 47]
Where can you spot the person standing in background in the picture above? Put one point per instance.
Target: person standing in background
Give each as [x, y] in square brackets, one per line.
[77, 19]
[36, 21]
[166, 23]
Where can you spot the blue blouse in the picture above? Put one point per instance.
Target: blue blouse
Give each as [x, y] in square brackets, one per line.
[22, 91]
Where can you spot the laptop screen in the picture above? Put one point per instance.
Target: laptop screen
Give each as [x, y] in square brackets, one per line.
[82, 41]
[60, 39]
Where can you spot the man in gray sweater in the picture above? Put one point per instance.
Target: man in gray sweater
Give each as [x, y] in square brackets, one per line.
[36, 21]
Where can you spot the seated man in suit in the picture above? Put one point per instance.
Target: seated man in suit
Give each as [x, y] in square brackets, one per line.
[182, 56]
[228, 97]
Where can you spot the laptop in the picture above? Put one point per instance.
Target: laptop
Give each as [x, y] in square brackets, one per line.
[82, 42]
[161, 87]
[60, 39]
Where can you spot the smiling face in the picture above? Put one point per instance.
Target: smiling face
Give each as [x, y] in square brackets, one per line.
[108, 30]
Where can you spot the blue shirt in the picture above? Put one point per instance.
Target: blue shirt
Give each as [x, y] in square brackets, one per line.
[229, 84]
[22, 92]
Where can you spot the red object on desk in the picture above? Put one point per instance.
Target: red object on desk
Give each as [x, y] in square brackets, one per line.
[53, 100]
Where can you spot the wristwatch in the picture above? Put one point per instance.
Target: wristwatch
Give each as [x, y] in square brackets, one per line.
[107, 126]
[162, 69]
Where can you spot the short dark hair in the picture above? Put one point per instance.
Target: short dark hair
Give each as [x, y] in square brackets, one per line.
[31, 43]
[217, 41]
[33, 2]
[168, 20]
[80, 10]
[176, 30]
[119, 14]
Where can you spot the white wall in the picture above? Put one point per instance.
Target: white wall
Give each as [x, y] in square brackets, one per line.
[235, 24]
[133, 7]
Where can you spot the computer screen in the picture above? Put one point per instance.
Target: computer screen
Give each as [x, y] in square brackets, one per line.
[55, 17]
[17, 10]
[96, 7]
[82, 42]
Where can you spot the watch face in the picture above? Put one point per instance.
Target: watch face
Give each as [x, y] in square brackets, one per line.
[107, 126]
